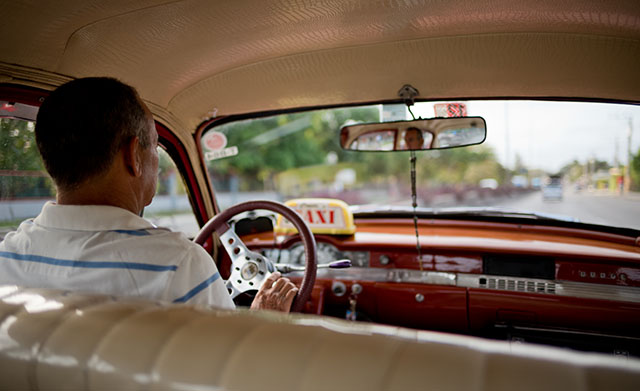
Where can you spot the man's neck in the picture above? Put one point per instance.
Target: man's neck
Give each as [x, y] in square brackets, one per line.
[100, 192]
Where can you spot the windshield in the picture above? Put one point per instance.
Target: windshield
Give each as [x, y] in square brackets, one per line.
[570, 160]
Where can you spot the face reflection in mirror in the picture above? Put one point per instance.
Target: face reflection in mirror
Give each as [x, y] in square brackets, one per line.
[416, 139]
[413, 138]
[415, 135]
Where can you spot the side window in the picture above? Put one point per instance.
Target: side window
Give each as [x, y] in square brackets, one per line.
[170, 207]
[24, 184]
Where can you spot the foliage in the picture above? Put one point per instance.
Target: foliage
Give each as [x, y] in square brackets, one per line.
[574, 170]
[24, 174]
[312, 178]
[464, 166]
[634, 170]
[276, 144]
[169, 181]
[274, 150]
[592, 166]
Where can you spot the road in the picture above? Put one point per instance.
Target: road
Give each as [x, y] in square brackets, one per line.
[620, 211]
[616, 210]
[173, 212]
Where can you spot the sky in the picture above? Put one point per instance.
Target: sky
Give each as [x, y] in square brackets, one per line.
[549, 135]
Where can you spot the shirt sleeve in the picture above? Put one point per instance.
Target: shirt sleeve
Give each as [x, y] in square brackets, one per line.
[197, 281]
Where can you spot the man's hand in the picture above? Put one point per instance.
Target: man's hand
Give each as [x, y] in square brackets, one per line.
[277, 293]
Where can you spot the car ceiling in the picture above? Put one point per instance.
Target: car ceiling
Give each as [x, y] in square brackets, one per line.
[192, 59]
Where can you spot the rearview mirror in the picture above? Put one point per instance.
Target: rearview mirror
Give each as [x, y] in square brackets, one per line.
[416, 135]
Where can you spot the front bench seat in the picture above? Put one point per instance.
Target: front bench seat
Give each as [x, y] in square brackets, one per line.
[52, 339]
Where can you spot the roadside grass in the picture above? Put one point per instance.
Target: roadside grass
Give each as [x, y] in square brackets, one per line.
[10, 223]
[166, 213]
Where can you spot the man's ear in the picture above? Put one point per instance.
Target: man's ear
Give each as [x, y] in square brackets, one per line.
[132, 159]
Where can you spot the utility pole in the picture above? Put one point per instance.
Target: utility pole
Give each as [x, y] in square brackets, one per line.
[506, 137]
[627, 171]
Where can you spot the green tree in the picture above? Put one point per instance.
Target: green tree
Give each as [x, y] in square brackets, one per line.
[462, 166]
[634, 171]
[272, 146]
[573, 170]
[275, 144]
[22, 170]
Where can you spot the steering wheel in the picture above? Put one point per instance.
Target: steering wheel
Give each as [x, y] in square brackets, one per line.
[248, 268]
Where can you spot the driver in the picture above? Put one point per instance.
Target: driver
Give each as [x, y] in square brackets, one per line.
[413, 138]
[98, 142]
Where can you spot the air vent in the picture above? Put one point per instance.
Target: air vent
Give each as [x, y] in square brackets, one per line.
[517, 285]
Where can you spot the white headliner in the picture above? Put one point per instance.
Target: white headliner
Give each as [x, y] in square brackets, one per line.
[193, 57]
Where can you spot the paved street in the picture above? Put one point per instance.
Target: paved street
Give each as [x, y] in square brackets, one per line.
[164, 211]
[621, 211]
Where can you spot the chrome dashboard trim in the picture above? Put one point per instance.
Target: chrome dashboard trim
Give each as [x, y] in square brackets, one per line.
[387, 275]
[581, 290]
[505, 283]
[421, 277]
[491, 282]
[597, 291]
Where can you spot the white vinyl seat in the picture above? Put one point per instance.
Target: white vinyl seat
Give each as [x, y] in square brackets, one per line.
[60, 340]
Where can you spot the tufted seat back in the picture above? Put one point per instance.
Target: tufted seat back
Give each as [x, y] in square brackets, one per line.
[59, 340]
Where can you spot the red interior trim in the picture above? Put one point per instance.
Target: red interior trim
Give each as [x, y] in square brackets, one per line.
[198, 140]
[178, 152]
[22, 94]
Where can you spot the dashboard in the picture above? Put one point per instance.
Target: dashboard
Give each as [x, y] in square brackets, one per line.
[566, 288]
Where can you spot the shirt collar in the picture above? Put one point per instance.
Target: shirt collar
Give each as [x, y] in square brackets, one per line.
[89, 218]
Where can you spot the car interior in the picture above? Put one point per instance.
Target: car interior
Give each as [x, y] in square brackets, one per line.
[285, 144]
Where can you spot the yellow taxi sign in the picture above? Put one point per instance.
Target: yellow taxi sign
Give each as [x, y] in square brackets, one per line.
[323, 215]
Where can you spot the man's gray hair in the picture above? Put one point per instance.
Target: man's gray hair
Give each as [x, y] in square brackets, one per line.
[83, 124]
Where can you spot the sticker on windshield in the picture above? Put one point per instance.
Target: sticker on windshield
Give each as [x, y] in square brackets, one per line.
[216, 142]
[214, 155]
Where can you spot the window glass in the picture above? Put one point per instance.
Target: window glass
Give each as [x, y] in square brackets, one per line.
[170, 207]
[24, 184]
[571, 161]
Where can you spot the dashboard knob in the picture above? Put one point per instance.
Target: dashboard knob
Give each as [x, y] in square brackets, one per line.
[338, 288]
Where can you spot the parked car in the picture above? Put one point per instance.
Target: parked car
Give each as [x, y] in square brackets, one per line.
[450, 273]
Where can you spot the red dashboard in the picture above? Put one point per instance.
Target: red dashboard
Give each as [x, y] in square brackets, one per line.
[502, 280]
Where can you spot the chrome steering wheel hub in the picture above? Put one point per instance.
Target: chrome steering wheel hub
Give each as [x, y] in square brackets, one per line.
[249, 269]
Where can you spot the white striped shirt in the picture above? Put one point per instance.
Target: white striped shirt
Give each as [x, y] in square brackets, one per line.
[105, 249]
